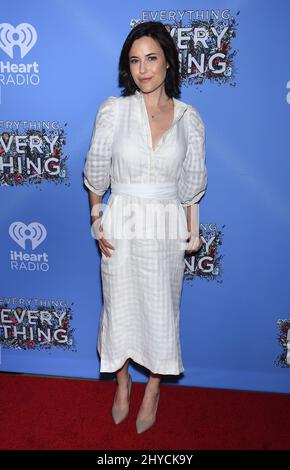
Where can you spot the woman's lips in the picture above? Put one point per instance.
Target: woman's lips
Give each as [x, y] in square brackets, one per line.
[144, 79]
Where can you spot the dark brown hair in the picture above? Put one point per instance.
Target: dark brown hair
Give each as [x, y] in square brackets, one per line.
[157, 31]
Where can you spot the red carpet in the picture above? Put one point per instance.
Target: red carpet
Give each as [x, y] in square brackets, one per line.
[54, 413]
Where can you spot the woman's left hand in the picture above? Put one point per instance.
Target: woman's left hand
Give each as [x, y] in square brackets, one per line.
[194, 244]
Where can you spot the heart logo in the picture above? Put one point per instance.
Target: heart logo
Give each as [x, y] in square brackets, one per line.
[24, 36]
[20, 232]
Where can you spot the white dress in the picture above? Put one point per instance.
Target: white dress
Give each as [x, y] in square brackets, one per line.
[142, 280]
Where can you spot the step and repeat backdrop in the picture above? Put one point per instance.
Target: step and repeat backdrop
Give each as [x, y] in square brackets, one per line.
[57, 64]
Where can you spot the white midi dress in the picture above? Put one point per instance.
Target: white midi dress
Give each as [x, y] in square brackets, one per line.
[142, 280]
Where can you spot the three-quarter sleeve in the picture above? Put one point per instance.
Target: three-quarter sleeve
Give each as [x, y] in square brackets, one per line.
[96, 174]
[193, 178]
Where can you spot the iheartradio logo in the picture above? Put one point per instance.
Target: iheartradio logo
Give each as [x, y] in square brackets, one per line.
[24, 35]
[20, 232]
[25, 260]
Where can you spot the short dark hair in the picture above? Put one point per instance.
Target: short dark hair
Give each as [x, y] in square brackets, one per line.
[157, 31]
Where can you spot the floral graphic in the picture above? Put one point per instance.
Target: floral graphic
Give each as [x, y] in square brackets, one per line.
[36, 327]
[36, 157]
[283, 360]
[207, 55]
[206, 263]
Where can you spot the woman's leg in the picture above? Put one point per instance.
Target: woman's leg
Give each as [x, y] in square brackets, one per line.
[121, 397]
[147, 407]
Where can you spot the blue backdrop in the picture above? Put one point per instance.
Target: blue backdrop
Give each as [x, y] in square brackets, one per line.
[57, 63]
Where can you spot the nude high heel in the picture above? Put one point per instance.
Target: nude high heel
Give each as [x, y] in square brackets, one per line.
[142, 424]
[120, 415]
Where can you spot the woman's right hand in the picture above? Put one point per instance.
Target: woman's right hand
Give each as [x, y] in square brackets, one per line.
[97, 228]
[104, 244]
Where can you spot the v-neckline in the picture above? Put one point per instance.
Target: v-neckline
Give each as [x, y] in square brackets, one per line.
[150, 139]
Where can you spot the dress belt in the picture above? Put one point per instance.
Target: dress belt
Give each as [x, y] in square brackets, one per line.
[148, 190]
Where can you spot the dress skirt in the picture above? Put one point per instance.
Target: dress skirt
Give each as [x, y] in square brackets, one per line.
[142, 283]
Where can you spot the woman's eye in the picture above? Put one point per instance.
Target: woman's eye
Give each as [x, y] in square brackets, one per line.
[133, 61]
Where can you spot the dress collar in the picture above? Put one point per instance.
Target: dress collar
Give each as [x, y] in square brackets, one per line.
[179, 106]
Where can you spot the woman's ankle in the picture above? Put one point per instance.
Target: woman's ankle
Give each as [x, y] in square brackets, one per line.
[153, 385]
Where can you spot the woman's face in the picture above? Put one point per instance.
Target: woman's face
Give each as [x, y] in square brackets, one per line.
[147, 64]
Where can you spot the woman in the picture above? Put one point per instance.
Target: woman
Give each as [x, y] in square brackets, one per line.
[150, 147]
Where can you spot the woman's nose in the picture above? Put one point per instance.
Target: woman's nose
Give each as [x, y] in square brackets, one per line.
[143, 66]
